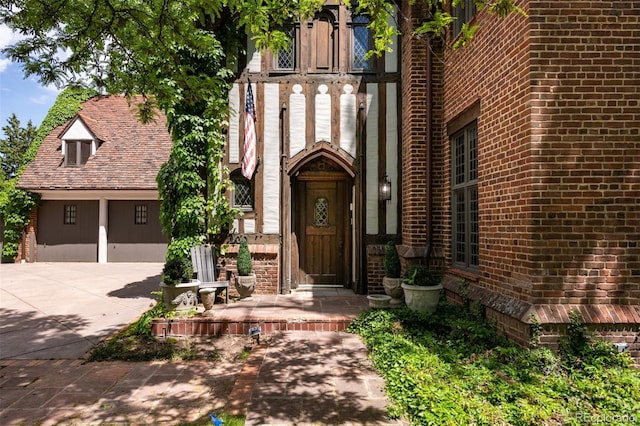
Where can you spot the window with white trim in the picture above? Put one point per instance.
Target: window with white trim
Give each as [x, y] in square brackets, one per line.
[464, 197]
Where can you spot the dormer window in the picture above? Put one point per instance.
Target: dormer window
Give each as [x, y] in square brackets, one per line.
[77, 152]
[78, 143]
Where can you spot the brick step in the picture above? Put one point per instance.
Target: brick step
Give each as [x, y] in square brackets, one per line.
[203, 326]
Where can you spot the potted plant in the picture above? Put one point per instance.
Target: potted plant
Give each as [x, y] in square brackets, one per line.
[392, 281]
[421, 289]
[179, 290]
[245, 280]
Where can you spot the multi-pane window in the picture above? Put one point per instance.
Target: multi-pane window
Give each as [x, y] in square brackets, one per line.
[286, 57]
[70, 214]
[362, 43]
[140, 217]
[464, 154]
[77, 152]
[462, 13]
[242, 193]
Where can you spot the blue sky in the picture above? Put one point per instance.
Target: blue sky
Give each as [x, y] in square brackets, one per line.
[27, 98]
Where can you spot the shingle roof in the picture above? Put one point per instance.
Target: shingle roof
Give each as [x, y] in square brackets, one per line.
[129, 153]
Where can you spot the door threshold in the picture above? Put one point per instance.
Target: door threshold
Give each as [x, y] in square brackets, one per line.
[317, 286]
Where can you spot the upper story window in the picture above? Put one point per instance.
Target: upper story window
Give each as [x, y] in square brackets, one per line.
[286, 58]
[362, 42]
[242, 196]
[463, 13]
[77, 152]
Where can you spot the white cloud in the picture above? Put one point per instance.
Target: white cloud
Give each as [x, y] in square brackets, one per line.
[8, 36]
[4, 64]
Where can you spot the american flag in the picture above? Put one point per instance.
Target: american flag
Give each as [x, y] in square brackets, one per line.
[249, 155]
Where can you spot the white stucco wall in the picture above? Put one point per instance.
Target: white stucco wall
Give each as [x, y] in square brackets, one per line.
[371, 161]
[392, 157]
[297, 120]
[348, 118]
[271, 159]
[234, 124]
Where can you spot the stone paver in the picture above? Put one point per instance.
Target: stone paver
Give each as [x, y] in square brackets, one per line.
[297, 378]
[60, 310]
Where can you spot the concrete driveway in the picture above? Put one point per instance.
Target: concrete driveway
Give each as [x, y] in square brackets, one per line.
[60, 310]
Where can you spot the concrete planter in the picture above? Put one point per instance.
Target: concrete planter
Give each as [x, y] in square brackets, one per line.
[393, 288]
[245, 285]
[379, 300]
[180, 297]
[422, 298]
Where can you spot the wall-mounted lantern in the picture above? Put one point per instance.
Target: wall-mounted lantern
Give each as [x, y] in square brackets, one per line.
[385, 189]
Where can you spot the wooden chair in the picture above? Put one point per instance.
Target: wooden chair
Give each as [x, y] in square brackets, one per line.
[204, 266]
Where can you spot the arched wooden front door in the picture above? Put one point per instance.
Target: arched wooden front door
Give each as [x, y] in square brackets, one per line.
[322, 228]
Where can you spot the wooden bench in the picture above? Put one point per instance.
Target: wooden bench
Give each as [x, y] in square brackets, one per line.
[204, 266]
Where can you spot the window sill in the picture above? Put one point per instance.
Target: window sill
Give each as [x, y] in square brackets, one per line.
[464, 273]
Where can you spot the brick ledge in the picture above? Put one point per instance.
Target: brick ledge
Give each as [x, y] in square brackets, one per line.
[547, 313]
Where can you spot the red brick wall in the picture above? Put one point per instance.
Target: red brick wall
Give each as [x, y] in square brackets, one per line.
[585, 79]
[375, 268]
[414, 129]
[265, 266]
[551, 336]
[26, 243]
[494, 71]
[559, 149]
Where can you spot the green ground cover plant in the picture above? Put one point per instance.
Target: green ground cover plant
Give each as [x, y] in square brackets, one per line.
[453, 368]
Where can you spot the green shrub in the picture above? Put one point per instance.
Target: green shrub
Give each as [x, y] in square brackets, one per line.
[245, 265]
[450, 368]
[391, 261]
[420, 275]
[177, 270]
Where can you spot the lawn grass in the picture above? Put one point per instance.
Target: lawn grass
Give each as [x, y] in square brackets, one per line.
[452, 368]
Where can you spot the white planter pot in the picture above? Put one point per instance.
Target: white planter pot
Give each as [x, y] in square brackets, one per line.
[180, 297]
[393, 288]
[379, 300]
[245, 285]
[422, 298]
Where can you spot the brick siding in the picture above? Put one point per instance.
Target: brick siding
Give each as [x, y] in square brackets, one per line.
[559, 145]
[585, 78]
[375, 268]
[265, 266]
